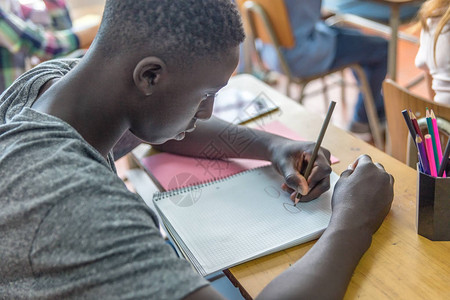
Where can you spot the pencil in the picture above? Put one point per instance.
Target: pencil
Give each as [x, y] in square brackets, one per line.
[317, 146]
[430, 155]
[438, 140]
[433, 138]
[409, 124]
[444, 161]
[416, 125]
[422, 155]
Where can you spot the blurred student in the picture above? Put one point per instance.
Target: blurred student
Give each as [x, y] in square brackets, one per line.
[434, 51]
[43, 29]
[320, 47]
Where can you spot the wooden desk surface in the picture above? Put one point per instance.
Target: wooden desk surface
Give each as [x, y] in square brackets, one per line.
[400, 264]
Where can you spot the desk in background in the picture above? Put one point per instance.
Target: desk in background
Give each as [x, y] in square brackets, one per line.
[399, 265]
[394, 23]
[345, 15]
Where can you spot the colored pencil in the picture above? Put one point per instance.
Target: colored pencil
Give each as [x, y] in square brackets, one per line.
[409, 124]
[438, 140]
[416, 125]
[433, 138]
[444, 161]
[317, 146]
[422, 155]
[430, 155]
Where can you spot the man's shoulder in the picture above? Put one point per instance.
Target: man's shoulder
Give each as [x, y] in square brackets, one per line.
[25, 89]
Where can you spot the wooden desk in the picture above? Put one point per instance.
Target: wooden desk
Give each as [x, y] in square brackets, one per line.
[391, 30]
[400, 263]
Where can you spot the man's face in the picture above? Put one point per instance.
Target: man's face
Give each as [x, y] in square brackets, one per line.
[184, 98]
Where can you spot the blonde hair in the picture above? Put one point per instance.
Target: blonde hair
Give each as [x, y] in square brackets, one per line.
[435, 9]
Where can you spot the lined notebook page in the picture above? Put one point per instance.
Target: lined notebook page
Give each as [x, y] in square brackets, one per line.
[230, 221]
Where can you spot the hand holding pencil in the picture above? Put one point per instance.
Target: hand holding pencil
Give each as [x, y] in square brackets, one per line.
[293, 169]
[307, 171]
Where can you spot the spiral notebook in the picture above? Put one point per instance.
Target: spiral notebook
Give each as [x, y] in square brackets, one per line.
[223, 223]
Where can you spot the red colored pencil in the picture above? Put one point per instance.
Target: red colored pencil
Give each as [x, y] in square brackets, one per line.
[416, 126]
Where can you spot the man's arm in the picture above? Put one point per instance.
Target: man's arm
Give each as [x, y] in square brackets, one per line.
[217, 139]
[230, 141]
[361, 200]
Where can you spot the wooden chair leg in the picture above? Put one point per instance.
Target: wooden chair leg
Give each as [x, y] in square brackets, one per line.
[325, 93]
[302, 92]
[343, 98]
[288, 88]
[369, 104]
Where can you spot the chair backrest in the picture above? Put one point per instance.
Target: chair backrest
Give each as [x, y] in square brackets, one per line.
[276, 13]
[396, 99]
[268, 20]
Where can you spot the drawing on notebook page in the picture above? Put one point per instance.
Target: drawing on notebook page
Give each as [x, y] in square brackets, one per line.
[290, 207]
[275, 193]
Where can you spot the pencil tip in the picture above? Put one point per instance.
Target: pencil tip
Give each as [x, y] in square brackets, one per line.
[433, 116]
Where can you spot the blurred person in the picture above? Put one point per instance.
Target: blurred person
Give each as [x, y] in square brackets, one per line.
[320, 47]
[433, 55]
[42, 29]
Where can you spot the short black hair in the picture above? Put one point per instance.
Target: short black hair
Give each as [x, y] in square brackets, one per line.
[172, 29]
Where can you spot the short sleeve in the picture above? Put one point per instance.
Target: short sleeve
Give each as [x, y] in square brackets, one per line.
[106, 242]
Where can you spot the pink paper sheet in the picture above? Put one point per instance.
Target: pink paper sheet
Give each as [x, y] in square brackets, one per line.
[175, 171]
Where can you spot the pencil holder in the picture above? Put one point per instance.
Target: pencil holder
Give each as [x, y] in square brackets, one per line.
[433, 207]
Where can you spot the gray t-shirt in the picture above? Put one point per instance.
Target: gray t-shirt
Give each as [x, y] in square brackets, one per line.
[69, 228]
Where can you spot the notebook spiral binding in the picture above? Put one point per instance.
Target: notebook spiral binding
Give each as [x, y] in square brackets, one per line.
[170, 193]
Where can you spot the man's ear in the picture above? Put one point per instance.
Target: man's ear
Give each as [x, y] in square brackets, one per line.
[147, 74]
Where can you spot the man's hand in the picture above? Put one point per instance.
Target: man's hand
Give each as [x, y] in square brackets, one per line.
[363, 195]
[291, 158]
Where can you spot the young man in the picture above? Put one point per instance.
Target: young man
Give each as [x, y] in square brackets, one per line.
[69, 226]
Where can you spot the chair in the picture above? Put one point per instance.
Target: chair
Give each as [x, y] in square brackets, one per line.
[396, 99]
[268, 20]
